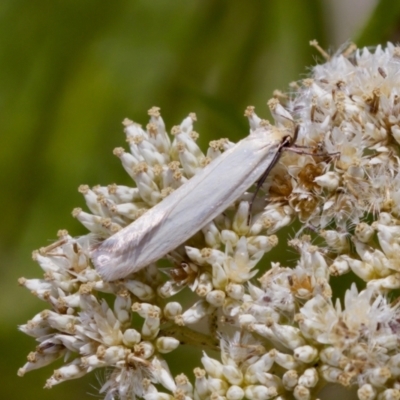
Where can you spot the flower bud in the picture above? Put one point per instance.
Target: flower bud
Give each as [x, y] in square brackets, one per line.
[235, 291]
[285, 360]
[122, 309]
[219, 277]
[213, 367]
[390, 394]
[260, 392]
[332, 356]
[336, 240]
[145, 349]
[229, 236]
[216, 298]
[232, 374]
[379, 376]
[172, 309]
[131, 337]
[235, 393]
[290, 379]
[329, 181]
[212, 235]
[363, 232]
[183, 384]
[202, 388]
[92, 362]
[301, 393]
[151, 327]
[339, 267]
[309, 378]
[205, 285]
[366, 392]
[305, 354]
[289, 336]
[217, 386]
[70, 371]
[240, 221]
[111, 355]
[195, 313]
[166, 344]
[140, 290]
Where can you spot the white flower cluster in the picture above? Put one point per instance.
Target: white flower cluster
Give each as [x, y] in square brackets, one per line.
[280, 336]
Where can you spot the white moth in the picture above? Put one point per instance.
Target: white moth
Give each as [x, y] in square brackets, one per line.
[192, 206]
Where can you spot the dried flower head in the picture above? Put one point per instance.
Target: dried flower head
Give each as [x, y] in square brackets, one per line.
[281, 335]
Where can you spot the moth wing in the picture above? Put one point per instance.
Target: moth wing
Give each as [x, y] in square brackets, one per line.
[189, 208]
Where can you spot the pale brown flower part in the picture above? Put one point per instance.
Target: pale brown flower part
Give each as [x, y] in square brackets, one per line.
[305, 205]
[330, 206]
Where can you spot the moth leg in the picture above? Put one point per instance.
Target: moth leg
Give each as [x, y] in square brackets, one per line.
[285, 142]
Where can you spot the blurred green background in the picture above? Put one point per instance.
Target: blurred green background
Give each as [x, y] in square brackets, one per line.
[71, 71]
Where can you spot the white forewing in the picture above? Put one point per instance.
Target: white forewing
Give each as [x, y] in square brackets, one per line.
[189, 208]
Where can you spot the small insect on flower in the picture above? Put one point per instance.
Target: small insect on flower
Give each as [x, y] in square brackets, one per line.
[193, 205]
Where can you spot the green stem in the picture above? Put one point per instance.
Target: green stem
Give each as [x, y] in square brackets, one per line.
[190, 337]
